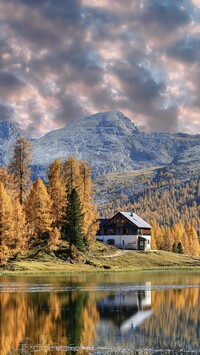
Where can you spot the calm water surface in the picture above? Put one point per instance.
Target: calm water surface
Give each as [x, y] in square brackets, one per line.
[110, 313]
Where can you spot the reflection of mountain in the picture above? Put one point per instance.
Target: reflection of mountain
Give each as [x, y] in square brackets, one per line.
[126, 310]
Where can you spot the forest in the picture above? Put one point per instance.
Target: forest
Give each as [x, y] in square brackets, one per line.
[171, 207]
[59, 216]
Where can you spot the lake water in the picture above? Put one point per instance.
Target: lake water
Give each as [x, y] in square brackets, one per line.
[102, 313]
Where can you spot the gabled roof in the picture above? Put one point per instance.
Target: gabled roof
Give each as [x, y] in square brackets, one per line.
[134, 218]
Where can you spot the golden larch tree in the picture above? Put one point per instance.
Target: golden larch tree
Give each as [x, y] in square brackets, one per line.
[20, 227]
[91, 223]
[8, 181]
[57, 192]
[38, 212]
[71, 175]
[20, 167]
[7, 246]
[193, 239]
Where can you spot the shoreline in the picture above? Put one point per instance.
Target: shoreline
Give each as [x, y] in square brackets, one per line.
[91, 271]
[128, 261]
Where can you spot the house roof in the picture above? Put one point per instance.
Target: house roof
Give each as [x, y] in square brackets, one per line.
[135, 320]
[103, 221]
[134, 218]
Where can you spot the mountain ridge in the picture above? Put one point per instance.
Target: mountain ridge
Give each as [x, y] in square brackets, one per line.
[110, 143]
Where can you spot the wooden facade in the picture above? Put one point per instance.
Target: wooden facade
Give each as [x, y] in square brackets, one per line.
[125, 230]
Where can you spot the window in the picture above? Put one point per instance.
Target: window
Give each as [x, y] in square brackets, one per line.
[110, 231]
[124, 230]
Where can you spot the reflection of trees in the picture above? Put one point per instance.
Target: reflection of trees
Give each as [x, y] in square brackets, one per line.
[175, 318]
[46, 320]
[42, 321]
[90, 317]
[13, 321]
[174, 322]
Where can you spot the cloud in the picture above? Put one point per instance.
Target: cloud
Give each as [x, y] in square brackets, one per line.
[62, 60]
[164, 15]
[6, 112]
[186, 49]
[10, 85]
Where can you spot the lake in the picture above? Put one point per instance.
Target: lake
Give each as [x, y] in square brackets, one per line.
[101, 313]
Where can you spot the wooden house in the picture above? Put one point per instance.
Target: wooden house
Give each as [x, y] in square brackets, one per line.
[125, 230]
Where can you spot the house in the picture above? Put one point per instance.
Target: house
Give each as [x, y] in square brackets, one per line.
[125, 230]
[127, 309]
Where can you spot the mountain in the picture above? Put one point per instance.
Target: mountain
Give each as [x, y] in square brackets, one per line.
[119, 154]
[110, 142]
[104, 140]
[8, 136]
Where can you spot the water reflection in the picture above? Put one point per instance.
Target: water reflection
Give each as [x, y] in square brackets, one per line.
[126, 310]
[94, 320]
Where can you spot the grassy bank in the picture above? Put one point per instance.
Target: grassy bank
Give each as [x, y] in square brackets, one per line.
[101, 258]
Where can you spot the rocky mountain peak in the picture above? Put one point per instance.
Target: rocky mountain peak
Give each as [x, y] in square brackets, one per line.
[8, 130]
[8, 135]
[107, 141]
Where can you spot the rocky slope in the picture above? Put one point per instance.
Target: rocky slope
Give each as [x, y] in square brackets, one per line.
[8, 136]
[110, 143]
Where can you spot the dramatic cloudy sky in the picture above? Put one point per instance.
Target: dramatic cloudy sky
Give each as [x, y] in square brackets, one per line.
[61, 60]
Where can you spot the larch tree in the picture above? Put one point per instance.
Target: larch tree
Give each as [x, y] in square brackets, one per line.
[20, 167]
[71, 175]
[91, 223]
[178, 231]
[73, 231]
[169, 240]
[193, 239]
[38, 213]
[8, 181]
[20, 227]
[57, 192]
[54, 239]
[186, 244]
[7, 245]
[154, 235]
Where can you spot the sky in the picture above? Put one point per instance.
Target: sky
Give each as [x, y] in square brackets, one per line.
[61, 60]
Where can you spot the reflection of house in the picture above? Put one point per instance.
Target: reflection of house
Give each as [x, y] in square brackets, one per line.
[125, 230]
[127, 310]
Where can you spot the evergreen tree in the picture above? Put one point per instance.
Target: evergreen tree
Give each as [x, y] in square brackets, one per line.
[56, 190]
[180, 249]
[175, 248]
[38, 212]
[73, 227]
[20, 167]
